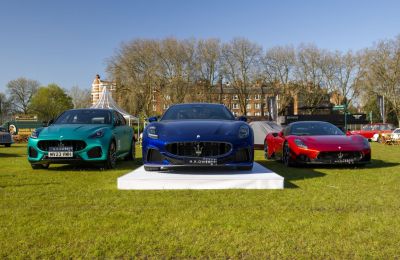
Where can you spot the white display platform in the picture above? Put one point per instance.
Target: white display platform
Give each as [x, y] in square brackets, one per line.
[258, 178]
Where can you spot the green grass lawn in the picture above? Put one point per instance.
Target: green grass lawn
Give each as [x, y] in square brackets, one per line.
[321, 213]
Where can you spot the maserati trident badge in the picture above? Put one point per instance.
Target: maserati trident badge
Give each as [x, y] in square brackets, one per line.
[198, 149]
[340, 155]
[198, 136]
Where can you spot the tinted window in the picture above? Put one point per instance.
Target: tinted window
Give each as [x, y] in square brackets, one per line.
[366, 128]
[2, 129]
[397, 131]
[198, 112]
[84, 116]
[314, 128]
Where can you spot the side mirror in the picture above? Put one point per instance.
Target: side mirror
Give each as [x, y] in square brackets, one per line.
[280, 134]
[152, 119]
[242, 118]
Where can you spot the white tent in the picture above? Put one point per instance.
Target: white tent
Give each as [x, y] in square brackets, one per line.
[261, 129]
[106, 101]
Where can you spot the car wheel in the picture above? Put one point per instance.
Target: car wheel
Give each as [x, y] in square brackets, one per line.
[111, 156]
[132, 153]
[40, 166]
[244, 168]
[151, 169]
[286, 155]
[7, 145]
[266, 151]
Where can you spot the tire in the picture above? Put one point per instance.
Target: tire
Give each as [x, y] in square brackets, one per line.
[40, 166]
[132, 153]
[287, 161]
[266, 157]
[151, 169]
[7, 145]
[111, 161]
[244, 168]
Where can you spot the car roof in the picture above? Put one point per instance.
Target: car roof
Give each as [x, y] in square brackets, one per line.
[309, 122]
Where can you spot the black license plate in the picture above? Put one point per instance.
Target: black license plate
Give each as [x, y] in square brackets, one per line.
[202, 161]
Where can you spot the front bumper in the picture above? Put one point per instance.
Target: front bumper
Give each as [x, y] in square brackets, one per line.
[306, 156]
[94, 151]
[155, 154]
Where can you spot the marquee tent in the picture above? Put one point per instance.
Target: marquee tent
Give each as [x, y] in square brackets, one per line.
[261, 129]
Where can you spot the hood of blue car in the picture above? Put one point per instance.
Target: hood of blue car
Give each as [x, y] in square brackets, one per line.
[197, 129]
[68, 131]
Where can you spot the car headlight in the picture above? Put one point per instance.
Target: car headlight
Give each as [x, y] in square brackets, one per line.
[244, 131]
[152, 132]
[97, 134]
[35, 134]
[300, 143]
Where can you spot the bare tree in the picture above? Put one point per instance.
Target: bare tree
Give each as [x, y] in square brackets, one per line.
[21, 91]
[81, 98]
[208, 65]
[241, 59]
[5, 107]
[309, 74]
[383, 71]
[278, 68]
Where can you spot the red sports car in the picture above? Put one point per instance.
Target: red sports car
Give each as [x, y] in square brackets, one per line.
[372, 131]
[316, 142]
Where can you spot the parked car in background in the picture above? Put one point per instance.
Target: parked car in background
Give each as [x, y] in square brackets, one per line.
[197, 135]
[316, 142]
[82, 135]
[5, 137]
[393, 136]
[372, 131]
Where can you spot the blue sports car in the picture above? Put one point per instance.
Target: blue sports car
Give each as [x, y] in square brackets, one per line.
[197, 135]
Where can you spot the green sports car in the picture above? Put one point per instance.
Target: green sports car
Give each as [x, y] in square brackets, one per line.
[82, 135]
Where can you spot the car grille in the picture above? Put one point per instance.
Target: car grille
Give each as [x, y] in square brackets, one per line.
[199, 149]
[339, 155]
[77, 145]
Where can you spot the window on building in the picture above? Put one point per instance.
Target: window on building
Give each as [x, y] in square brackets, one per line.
[248, 106]
[248, 114]
[235, 97]
[235, 106]
[257, 113]
[248, 97]
[257, 106]
[224, 97]
[167, 97]
[166, 106]
[153, 98]
[257, 97]
[154, 108]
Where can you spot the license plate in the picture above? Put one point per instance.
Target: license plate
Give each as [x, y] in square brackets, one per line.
[61, 152]
[344, 161]
[202, 161]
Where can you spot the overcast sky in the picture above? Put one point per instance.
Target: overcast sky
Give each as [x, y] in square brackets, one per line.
[68, 42]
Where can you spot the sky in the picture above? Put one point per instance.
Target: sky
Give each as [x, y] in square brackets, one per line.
[68, 42]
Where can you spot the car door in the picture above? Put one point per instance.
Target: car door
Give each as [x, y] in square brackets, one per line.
[127, 134]
[118, 132]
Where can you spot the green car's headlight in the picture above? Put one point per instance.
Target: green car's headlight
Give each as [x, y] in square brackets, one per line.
[244, 131]
[152, 132]
[97, 134]
[35, 134]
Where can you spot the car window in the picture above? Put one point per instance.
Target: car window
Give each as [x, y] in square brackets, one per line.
[397, 131]
[314, 128]
[366, 128]
[84, 116]
[198, 112]
[122, 119]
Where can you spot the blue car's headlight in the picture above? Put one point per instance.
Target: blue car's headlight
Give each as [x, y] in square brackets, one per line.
[97, 134]
[35, 134]
[244, 131]
[300, 143]
[152, 132]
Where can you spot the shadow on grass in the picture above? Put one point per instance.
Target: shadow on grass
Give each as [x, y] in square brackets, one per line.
[93, 167]
[30, 184]
[9, 155]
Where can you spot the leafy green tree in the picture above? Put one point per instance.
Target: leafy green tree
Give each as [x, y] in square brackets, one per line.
[50, 101]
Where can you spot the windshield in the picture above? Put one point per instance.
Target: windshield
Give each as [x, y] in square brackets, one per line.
[314, 128]
[198, 112]
[84, 116]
